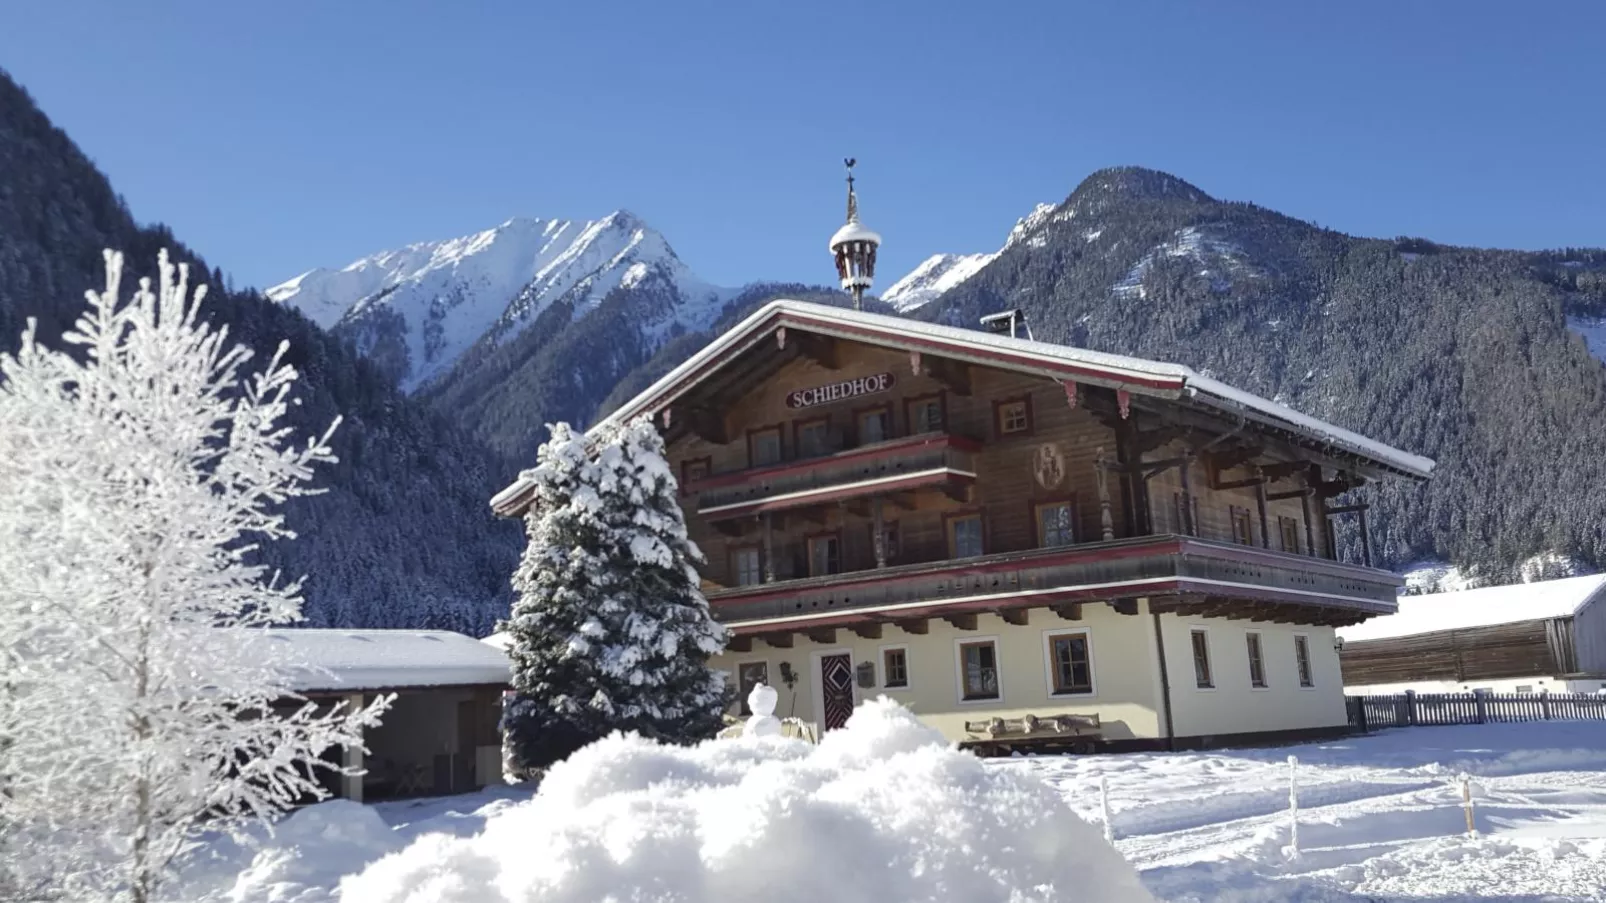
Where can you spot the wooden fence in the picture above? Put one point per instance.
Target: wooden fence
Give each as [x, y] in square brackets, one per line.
[1410, 709]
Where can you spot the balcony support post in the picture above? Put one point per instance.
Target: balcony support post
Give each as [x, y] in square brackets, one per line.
[1184, 469]
[1260, 503]
[769, 548]
[880, 534]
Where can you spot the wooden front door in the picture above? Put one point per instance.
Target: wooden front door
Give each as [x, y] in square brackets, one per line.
[836, 690]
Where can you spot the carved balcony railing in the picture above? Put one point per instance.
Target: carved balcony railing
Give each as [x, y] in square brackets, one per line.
[914, 462]
[1188, 573]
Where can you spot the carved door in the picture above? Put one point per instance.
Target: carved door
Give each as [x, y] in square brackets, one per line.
[836, 689]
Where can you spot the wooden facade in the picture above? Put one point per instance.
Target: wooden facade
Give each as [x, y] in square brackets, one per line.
[1540, 647]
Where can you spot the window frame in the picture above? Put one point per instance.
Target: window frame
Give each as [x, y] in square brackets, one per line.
[949, 538]
[1284, 522]
[808, 547]
[1051, 664]
[1304, 671]
[960, 643]
[942, 412]
[741, 698]
[736, 548]
[780, 441]
[1209, 684]
[1037, 506]
[1255, 652]
[1234, 513]
[685, 465]
[888, 432]
[881, 668]
[998, 418]
[797, 436]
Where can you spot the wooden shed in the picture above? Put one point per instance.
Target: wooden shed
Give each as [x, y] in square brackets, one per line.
[1523, 638]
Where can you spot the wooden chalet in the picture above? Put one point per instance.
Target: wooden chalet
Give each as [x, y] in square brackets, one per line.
[1000, 532]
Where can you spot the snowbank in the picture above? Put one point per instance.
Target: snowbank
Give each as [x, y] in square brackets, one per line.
[883, 810]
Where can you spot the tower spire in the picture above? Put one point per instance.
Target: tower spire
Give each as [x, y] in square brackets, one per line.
[854, 247]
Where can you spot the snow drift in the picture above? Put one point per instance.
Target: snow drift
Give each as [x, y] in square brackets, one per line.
[883, 810]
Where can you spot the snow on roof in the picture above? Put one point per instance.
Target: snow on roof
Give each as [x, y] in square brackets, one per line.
[854, 231]
[1481, 608]
[390, 659]
[1137, 375]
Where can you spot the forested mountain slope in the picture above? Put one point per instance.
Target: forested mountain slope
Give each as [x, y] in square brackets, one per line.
[1462, 354]
[403, 537]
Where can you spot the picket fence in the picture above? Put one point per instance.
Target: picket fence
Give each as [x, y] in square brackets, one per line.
[1410, 709]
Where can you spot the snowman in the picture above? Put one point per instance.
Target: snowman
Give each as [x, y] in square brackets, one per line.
[763, 723]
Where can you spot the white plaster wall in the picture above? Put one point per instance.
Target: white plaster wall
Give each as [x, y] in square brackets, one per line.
[1235, 707]
[1125, 671]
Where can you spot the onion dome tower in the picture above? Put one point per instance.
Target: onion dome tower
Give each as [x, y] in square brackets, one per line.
[854, 248]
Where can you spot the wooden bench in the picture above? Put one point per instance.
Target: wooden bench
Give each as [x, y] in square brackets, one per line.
[1065, 732]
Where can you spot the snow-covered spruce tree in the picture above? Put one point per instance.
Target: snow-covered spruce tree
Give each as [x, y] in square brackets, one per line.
[140, 700]
[610, 630]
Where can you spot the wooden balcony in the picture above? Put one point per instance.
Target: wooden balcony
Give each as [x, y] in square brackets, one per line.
[928, 460]
[1176, 573]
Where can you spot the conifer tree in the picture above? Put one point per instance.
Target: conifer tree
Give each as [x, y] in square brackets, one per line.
[610, 630]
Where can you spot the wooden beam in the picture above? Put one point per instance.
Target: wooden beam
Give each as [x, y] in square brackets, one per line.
[1070, 611]
[1124, 606]
[1281, 470]
[870, 631]
[825, 636]
[1017, 616]
[962, 621]
[821, 349]
[916, 626]
[778, 640]
[742, 643]
[1290, 494]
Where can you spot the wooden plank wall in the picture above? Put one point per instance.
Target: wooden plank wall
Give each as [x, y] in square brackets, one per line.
[1478, 653]
[1215, 506]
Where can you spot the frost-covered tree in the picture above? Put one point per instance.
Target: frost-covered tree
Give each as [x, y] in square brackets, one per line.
[610, 630]
[139, 701]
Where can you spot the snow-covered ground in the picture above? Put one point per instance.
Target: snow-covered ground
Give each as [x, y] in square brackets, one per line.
[1380, 820]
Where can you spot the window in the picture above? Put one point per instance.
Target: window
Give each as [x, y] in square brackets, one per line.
[1014, 416]
[925, 415]
[1289, 528]
[1056, 525]
[894, 667]
[748, 676]
[1201, 660]
[1070, 665]
[875, 425]
[1524, 689]
[1242, 531]
[978, 670]
[825, 556]
[692, 470]
[764, 447]
[1302, 660]
[813, 437]
[1186, 526]
[1257, 664]
[745, 566]
[964, 536]
[889, 539]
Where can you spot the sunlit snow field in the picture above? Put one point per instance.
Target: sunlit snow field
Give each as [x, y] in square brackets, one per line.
[1380, 819]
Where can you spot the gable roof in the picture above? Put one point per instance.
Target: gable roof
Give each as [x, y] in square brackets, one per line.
[351, 660]
[1059, 362]
[1484, 607]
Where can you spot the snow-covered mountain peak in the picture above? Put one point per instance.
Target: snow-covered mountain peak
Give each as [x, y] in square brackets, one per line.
[941, 272]
[422, 306]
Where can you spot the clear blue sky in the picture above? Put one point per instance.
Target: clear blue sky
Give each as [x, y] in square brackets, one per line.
[275, 137]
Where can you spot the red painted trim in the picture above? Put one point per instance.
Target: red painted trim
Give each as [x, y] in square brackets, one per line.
[846, 492]
[1256, 555]
[890, 448]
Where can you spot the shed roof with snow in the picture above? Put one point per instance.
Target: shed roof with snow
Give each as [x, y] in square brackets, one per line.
[1485, 607]
[352, 660]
